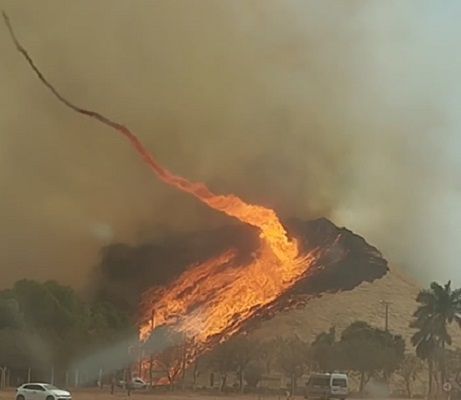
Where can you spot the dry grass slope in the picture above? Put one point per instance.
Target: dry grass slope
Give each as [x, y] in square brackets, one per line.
[362, 303]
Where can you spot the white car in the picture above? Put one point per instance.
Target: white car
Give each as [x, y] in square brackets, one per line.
[136, 384]
[41, 391]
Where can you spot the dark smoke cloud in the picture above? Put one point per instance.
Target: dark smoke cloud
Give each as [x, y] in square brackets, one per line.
[341, 109]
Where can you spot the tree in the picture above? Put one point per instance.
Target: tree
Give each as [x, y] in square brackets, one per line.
[170, 361]
[453, 359]
[438, 307]
[56, 326]
[253, 374]
[222, 360]
[166, 348]
[409, 369]
[292, 359]
[234, 356]
[244, 351]
[369, 351]
[392, 352]
[14, 349]
[269, 352]
[105, 320]
[196, 372]
[322, 351]
[10, 315]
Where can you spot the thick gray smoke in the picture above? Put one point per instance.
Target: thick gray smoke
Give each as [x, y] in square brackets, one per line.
[341, 109]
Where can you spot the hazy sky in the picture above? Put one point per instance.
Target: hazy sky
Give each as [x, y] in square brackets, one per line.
[347, 109]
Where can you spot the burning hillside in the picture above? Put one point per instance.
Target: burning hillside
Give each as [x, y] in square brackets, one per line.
[212, 300]
[217, 297]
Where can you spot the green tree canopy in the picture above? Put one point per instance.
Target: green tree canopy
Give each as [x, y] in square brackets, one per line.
[235, 355]
[369, 351]
[409, 369]
[438, 307]
[292, 358]
[322, 351]
[53, 318]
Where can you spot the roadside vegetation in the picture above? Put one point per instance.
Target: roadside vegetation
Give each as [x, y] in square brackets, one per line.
[45, 329]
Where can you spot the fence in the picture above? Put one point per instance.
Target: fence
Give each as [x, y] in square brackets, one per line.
[14, 377]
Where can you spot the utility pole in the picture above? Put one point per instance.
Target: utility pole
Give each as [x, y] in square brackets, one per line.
[151, 356]
[140, 357]
[386, 314]
[184, 349]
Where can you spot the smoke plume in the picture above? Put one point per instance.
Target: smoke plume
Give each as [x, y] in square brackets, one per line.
[338, 109]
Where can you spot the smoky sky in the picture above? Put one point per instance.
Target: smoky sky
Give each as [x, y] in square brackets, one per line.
[343, 109]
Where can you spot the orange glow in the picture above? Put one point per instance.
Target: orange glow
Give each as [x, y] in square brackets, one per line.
[214, 299]
[272, 231]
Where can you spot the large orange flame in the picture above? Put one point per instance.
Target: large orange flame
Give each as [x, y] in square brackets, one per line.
[263, 218]
[216, 297]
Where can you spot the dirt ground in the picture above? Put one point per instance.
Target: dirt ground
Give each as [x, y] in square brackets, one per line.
[105, 395]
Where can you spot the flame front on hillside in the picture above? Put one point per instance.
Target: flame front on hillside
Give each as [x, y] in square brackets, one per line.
[214, 299]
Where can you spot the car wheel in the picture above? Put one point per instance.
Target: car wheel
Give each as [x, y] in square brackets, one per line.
[20, 397]
[49, 398]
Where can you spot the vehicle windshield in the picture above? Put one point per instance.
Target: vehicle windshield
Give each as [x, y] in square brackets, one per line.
[50, 387]
[341, 382]
[320, 381]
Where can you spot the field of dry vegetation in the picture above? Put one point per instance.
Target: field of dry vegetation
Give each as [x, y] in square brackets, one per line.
[364, 303]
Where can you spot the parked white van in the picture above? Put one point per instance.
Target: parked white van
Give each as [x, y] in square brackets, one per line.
[327, 386]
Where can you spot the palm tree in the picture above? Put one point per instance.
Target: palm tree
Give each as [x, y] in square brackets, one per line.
[438, 307]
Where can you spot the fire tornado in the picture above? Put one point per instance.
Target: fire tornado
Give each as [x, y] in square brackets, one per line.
[214, 299]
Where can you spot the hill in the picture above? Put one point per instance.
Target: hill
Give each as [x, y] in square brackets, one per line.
[365, 303]
[349, 283]
[345, 261]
